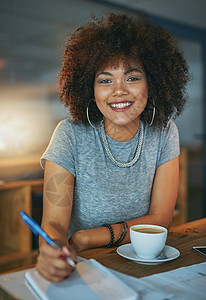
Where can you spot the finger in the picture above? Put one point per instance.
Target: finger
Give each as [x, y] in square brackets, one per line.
[69, 252]
[52, 271]
[58, 263]
[52, 264]
[57, 273]
[53, 277]
[53, 256]
[49, 250]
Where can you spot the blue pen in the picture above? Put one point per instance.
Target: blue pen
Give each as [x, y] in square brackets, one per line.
[37, 230]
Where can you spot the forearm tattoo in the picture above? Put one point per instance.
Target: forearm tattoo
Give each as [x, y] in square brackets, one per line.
[58, 190]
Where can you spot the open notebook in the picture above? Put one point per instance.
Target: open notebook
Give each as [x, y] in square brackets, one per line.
[90, 281]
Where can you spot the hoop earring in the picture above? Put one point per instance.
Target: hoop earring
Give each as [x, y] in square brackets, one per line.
[88, 119]
[153, 115]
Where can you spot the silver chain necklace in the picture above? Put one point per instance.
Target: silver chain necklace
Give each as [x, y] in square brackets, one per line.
[137, 152]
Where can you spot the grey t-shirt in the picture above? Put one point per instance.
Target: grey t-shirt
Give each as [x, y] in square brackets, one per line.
[104, 192]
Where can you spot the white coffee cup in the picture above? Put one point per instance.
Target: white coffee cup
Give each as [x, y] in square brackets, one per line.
[148, 240]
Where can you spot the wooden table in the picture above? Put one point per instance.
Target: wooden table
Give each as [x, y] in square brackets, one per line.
[183, 237]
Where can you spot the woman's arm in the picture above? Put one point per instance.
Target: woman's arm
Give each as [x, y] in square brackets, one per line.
[164, 195]
[57, 206]
[57, 200]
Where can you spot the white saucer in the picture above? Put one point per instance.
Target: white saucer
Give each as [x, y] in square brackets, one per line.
[167, 254]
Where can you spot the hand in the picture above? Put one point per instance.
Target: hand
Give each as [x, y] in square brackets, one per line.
[79, 240]
[52, 264]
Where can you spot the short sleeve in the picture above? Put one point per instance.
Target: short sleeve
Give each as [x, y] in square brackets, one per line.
[169, 147]
[61, 148]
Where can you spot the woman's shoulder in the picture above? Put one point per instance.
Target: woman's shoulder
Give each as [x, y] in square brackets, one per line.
[66, 124]
[170, 135]
[161, 136]
[169, 128]
[171, 124]
[71, 127]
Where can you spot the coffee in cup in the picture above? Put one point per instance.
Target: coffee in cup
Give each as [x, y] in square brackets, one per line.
[148, 240]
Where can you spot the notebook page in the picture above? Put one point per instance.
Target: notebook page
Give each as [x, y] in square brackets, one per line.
[90, 280]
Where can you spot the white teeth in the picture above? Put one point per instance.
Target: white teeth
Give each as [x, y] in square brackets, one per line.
[121, 105]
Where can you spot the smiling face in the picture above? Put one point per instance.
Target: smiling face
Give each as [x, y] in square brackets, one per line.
[121, 94]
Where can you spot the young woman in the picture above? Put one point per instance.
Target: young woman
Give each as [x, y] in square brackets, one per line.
[115, 162]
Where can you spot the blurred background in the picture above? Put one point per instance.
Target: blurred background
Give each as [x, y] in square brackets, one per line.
[32, 39]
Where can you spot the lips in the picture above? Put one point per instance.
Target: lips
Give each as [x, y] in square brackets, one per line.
[120, 106]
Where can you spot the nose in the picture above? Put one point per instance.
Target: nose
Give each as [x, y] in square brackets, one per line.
[119, 89]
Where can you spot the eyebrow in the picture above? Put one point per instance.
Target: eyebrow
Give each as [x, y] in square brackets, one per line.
[104, 73]
[133, 70]
[126, 72]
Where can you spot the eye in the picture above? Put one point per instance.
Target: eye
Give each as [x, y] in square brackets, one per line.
[133, 78]
[105, 81]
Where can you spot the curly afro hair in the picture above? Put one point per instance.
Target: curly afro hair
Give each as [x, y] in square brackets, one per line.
[101, 42]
